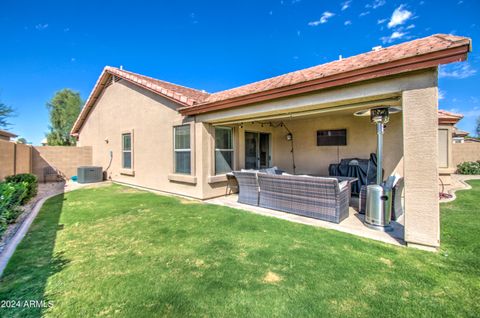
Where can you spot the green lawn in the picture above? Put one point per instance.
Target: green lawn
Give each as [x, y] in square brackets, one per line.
[114, 251]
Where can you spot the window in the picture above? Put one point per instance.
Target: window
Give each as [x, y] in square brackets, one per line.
[127, 151]
[223, 150]
[182, 149]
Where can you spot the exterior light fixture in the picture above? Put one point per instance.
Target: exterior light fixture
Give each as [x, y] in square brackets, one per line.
[289, 137]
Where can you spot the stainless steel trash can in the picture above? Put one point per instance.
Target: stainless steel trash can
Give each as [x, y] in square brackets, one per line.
[379, 207]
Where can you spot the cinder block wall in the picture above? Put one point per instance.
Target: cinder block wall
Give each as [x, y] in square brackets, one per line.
[14, 158]
[7, 158]
[465, 152]
[23, 159]
[64, 159]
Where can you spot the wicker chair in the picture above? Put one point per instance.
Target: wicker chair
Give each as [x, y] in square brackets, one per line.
[247, 187]
[397, 207]
[315, 197]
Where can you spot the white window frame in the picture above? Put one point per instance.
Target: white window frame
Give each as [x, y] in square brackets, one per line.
[232, 150]
[124, 170]
[175, 150]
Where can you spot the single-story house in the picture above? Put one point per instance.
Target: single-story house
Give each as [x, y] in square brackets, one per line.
[155, 134]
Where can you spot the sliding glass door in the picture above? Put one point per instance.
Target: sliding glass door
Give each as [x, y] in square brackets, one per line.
[257, 150]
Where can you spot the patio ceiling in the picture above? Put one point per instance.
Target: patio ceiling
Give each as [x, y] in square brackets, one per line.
[347, 107]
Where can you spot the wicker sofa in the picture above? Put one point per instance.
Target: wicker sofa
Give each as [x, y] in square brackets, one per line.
[248, 191]
[315, 197]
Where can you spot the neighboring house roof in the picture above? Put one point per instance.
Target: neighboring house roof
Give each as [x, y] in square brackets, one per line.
[459, 133]
[414, 55]
[446, 117]
[472, 140]
[7, 134]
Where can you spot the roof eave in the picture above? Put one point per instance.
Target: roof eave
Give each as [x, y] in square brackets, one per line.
[425, 61]
[98, 88]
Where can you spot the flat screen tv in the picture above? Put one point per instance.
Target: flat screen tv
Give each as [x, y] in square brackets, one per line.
[337, 137]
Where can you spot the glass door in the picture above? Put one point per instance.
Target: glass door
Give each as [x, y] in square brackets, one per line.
[257, 150]
[251, 154]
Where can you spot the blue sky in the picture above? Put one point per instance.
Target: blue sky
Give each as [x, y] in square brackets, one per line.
[212, 45]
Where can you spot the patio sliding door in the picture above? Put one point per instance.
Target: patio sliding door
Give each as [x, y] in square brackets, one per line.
[257, 150]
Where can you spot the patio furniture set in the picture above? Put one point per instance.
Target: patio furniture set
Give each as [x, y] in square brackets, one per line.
[319, 197]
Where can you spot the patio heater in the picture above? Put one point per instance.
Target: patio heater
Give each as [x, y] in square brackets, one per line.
[379, 195]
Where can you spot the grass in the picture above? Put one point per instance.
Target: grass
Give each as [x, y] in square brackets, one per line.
[114, 251]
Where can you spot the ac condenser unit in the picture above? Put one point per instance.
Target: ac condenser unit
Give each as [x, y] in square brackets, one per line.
[89, 174]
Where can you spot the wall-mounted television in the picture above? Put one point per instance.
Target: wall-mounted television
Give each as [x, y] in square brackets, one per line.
[336, 137]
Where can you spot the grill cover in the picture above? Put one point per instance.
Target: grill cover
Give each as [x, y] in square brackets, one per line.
[363, 169]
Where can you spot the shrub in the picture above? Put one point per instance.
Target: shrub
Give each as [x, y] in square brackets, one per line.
[469, 167]
[31, 181]
[11, 197]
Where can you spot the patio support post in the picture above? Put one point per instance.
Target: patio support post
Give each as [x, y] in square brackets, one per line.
[420, 151]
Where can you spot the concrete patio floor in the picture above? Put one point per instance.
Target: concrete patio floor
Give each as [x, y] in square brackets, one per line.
[353, 224]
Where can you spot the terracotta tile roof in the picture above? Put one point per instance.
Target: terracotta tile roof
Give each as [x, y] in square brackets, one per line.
[446, 117]
[460, 133]
[180, 93]
[418, 54]
[384, 55]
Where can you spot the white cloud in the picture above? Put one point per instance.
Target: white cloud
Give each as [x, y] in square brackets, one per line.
[394, 36]
[457, 70]
[381, 21]
[41, 27]
[399, 16]
[411, 26]
[346, 5]
[376, 4]
[441, 94]
[364, 13]
[348, 22]
[323, 19]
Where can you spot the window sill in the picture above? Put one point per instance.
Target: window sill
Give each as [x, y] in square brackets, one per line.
[217, 178]
[184, 178]
[127, 172]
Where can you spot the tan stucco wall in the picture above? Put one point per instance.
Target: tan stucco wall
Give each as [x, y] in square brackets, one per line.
[361, 141]
[420, 138]
[124, 107]
[64, 159]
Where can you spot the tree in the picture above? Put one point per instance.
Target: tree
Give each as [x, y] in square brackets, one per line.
[64, 108]
[21, 140]
[5, 112]
[478, 127]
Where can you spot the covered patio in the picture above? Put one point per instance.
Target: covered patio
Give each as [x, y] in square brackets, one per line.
[290, 141]
[284, 133]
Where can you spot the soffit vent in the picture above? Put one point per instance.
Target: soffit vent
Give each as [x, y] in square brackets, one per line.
[113, 79]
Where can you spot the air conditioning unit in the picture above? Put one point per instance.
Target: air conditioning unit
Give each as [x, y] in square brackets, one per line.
[89, 174]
